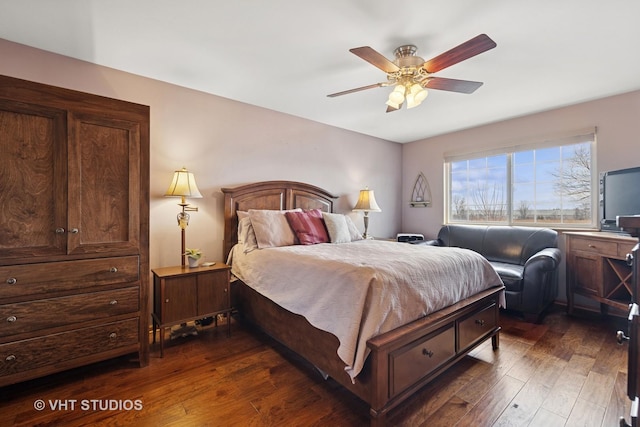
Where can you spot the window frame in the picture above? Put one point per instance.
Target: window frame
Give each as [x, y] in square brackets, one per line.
[570, 138]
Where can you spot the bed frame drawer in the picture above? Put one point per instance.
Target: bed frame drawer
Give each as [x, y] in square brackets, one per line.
[422, 356]
[477, 326]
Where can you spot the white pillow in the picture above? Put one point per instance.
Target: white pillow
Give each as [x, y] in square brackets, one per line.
[246, 235]
[272, 228]
[337, 227]
[353, 230]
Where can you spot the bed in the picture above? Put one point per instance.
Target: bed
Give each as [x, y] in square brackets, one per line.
[397, 362]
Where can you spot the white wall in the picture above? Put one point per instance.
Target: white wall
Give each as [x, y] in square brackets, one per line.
[225, 143]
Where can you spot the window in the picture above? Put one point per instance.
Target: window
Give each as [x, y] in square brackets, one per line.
[552, 183]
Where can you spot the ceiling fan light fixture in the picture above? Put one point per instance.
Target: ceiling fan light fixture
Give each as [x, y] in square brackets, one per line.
[411, 101]
[419, 93]
[397, 95]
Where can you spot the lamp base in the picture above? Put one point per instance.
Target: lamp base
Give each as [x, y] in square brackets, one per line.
[365, 235]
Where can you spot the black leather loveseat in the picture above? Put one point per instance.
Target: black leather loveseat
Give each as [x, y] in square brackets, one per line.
[526, 258]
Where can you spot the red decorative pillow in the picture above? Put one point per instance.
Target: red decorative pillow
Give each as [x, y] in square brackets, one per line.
[308, 226]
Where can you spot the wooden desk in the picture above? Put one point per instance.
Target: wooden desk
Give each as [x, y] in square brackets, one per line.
[597, 269]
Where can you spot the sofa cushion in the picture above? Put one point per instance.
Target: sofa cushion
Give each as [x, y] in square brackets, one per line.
[463, 236]
[515, 245]
[511, 274]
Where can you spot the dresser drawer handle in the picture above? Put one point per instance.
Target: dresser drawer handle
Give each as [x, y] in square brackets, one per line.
[426, 352]
[113, 302]
[113, 270]
[480, 322]
[591, 245]
[12, 281]
[113, 335]
[11, 319]
[10, 358]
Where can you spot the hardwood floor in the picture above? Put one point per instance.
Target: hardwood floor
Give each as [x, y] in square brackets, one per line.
[565, 372]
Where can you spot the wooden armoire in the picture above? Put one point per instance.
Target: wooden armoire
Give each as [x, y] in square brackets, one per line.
[74, 229]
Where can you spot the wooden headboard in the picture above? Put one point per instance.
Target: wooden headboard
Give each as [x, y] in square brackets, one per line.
[272, 195]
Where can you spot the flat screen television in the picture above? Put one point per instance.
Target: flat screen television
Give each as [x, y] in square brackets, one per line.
[619, 195]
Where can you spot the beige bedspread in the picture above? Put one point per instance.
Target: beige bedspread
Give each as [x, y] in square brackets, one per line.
[360, 289]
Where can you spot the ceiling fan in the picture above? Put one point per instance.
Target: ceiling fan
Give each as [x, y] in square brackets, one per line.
[411, 75]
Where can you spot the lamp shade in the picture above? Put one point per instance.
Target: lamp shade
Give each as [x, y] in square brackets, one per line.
[367, 202]
[183, 185]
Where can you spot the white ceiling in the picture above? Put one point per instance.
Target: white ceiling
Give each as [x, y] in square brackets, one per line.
[287, 55]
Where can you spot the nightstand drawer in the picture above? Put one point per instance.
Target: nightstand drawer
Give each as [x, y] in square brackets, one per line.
[62, 348]
[32, 279]
[49, 313]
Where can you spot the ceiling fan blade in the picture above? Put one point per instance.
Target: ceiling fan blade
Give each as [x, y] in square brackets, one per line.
[358, 89]
[374, 58]
[391, 109]
[466, 50]
[452, 85]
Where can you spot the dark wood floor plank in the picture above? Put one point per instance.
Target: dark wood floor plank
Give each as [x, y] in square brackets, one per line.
[619, 404]
[492, 404]
[564, 393]
[524, 406]
[597, 389]
[585, 414]
[547, 419]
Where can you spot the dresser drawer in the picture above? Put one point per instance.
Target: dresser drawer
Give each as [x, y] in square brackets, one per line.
[33, 279]
[600, 247]
[61, 348]
[422, 356]
[48, 313]
[476, 326]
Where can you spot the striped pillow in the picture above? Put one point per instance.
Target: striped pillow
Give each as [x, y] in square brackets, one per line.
[308, 226]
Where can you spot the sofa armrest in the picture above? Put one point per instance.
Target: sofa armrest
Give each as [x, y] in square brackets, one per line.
[540, 280]
[547, 259]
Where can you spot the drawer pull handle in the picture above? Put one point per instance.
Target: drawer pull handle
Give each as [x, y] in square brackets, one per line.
[113, 270]
[74, 231]
[10, 358]
[11, 319]
[480, 322]
[113, 335]
[426, 352]
[591, 245]
[12, 281]
[60, 230]
[113, 302]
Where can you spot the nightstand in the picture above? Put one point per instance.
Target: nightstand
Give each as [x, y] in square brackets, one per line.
[183, 294]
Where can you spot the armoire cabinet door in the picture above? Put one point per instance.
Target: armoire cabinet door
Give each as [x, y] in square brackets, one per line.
[104, 184]
[33, 181]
